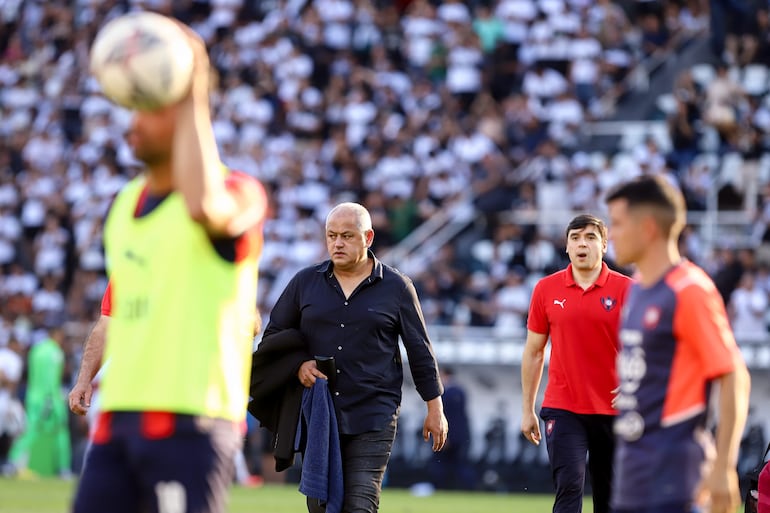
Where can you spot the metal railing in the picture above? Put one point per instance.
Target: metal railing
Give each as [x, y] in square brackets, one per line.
[469, 345]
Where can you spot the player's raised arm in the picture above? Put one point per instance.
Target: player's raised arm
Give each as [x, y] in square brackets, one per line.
[197, 170]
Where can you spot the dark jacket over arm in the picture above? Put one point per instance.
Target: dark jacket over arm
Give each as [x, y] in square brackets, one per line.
[276, 393]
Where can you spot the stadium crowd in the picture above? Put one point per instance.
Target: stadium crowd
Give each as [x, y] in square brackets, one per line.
[409, 107]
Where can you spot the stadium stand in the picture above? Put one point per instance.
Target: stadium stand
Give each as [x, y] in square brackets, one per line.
[466, 127]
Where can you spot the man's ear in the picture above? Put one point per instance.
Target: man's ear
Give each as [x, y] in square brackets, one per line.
[648, 226]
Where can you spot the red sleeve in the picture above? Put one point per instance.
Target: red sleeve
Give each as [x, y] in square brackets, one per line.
[107, 300]
[700, 322]
[705, 347]
[537, 320]
[246, 186]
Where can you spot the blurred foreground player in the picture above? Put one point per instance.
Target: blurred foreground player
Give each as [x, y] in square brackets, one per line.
[182, 243]
[676, 343]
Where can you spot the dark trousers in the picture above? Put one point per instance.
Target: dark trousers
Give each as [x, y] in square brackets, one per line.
[188, 468]
[569, 438]
[364, 459]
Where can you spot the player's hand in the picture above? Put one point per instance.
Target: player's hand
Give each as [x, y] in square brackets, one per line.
[719, 492]
[308, 372]
[80, 398]
[530, 427]
[435, 426]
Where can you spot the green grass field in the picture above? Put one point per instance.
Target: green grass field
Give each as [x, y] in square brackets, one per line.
[53, 496]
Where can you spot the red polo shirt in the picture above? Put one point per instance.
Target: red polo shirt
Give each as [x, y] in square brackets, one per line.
[583, 327]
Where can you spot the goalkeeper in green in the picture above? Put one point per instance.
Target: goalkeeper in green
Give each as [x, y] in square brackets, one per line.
[46, 409]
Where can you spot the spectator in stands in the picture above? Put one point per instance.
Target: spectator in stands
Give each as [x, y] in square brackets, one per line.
[723, 95]
[511, 303]
[728, 19]
[477, 301]
[655, 35]
[565, 117]
[543, 83]
[762, 35]
[682, 123]
[747, 309]
[728, 272]
[489, 28]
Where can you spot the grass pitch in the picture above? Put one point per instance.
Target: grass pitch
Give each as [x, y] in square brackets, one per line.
[54, 496]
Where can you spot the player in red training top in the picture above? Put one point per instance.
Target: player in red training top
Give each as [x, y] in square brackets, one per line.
[676, 342]
[91, 361]
[579, 309]
[84, 393]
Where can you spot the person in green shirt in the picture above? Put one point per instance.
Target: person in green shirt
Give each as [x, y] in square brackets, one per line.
[46, 411]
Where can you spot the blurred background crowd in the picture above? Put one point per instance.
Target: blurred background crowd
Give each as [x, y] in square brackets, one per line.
[472, 114]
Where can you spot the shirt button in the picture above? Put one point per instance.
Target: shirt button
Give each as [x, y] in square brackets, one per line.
[338, 371]
[346, 303]
[336, 393]
[339, 348]
[342, 325]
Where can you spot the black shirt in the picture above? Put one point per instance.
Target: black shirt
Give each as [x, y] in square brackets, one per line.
[361, 333]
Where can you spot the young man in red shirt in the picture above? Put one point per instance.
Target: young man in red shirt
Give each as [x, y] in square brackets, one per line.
[578, 308]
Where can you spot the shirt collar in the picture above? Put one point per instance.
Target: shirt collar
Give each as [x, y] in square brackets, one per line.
[377, 269]
[601, 280]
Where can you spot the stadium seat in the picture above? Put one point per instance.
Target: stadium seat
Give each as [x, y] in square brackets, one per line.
[763, 175]
[483, 250]
[660, 134]
[730, 170]
[622, 162]
[666, 103]
[598, 160]
[710, 160]
[632, 136]
[703, 74]
[709, 141]
[755, 78]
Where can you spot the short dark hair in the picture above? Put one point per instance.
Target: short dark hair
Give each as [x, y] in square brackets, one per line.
[657, 193]
[581, 221]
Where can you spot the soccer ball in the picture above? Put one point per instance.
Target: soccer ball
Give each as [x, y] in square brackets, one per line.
[142, 61]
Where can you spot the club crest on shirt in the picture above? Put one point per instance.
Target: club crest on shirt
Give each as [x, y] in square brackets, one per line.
[651, 317]
[549, 427]
[608, 302]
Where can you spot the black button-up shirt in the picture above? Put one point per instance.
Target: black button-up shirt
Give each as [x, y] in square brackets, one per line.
[361, 333]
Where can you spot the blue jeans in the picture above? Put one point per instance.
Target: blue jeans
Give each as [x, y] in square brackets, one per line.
[364, 459]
